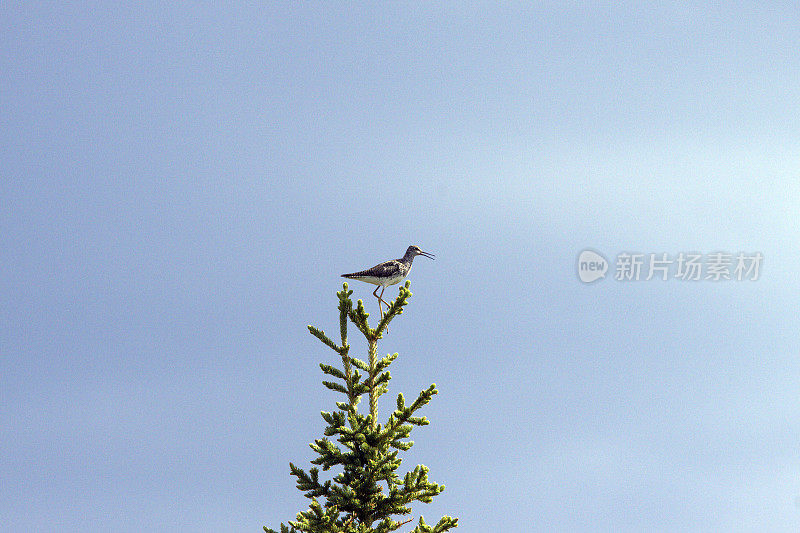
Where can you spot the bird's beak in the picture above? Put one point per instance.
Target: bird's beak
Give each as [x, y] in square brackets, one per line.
[426, 254]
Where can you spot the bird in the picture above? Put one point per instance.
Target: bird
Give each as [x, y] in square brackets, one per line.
[389, 272]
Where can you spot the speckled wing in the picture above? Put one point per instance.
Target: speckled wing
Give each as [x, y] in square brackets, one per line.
[386, 270]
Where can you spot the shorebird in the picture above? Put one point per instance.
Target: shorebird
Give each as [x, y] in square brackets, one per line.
[388, 273]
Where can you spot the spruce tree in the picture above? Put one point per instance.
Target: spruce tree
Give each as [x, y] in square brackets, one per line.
[367, 491]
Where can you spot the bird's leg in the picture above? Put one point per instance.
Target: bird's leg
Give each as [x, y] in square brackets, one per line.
[387, 306]
[381, 299]
[375, 294]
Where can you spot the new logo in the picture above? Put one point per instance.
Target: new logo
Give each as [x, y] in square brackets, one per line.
[591, 266]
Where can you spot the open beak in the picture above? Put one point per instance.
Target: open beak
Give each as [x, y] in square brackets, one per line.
[426, 254]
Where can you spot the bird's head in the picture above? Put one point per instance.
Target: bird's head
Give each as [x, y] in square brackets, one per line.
[414, 251]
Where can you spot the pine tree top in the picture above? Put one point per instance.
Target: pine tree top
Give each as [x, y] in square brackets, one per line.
[367, 491]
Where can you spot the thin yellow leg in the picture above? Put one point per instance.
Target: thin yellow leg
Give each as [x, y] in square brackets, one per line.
[375, 294]
[387, 306]
[381, 298]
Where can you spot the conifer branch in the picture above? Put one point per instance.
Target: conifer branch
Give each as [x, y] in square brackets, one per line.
[345, 307]
[395, 308]
[358, 363]
[318, 333]
[373, 393]
[335, 387]
[332, 371]
[359, 318]
[367, 490]
[386, 361]
[443, 525]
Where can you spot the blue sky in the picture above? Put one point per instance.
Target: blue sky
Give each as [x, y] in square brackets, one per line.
[183, 183]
